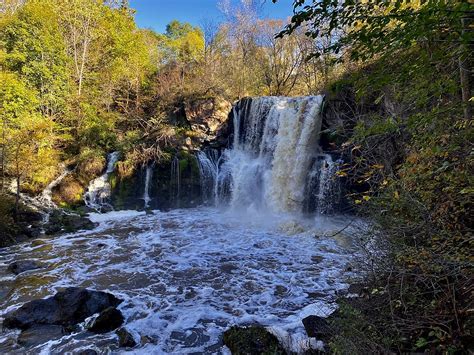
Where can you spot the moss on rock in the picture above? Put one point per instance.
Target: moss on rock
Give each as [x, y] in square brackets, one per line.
[252, 340]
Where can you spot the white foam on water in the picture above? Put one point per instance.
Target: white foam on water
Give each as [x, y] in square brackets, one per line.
[188, 275]
[114, 215]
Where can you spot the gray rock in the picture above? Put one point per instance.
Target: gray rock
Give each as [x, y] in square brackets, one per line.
[66, 308]
[358, 289]
[280, 290]
[17, 267]
[125, 338]
[40, 334]
[108, 320]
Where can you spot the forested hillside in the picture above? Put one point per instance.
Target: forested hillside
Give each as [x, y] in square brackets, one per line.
[79, 79]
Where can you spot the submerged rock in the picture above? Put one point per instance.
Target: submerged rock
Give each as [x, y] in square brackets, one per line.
[108, 320]
[125, 338]
[252, 340]
[17, 267]
[40, 334]
[66, 308]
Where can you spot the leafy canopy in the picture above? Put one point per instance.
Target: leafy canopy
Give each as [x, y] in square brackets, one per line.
[373, 27]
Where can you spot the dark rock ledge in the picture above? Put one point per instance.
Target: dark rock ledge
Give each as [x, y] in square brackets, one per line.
[51, 318]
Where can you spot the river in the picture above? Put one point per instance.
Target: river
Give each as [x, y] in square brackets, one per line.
[187, 275]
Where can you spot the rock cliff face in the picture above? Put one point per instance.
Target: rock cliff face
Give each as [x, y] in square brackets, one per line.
[207, 115]
[175, 182]
[199, 122]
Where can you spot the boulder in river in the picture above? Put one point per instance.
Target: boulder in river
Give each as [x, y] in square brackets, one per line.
[125, 338]
[65, 308]
[252, 340]
[17, 267]
[108, 320]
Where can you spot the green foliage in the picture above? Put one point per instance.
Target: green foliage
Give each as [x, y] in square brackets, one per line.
[34, 48]
[377, 126]
[27, 137]
[380, 27]
[96, 127]
[182, 42]
[410, 169]
[7, 225]
[73, 74]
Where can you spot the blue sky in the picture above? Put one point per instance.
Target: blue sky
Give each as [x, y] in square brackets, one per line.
[156, 14]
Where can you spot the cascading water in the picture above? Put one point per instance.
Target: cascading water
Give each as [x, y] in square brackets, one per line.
[175, 182]
[42, 203]
[98, 192]
[46, 197]
[322, 186]
[146, 192]
[209, 170]
[271, 160]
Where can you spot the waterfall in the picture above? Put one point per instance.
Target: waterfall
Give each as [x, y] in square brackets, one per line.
[322, 186]
[175, 182]
[42, 203]
[275, 159]
[46, 197]
[209, 163]
[146, 192]
[98, 192]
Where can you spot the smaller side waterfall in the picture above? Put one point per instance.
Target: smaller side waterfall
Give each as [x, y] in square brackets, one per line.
[98, 192]
[175, 182]
[323, 185]
[46, 196]
[214, 175]
[42, 203]
[208, 163]
[146, 192]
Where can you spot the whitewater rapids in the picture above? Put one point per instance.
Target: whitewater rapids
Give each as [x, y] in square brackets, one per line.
[186, 276]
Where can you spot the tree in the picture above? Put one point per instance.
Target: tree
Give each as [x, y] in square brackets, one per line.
[243, 35]
[35, 50]
[381, 28]
[10, 6]
[27, 137]
[182, 42]
[79, 18]
[284, 58]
